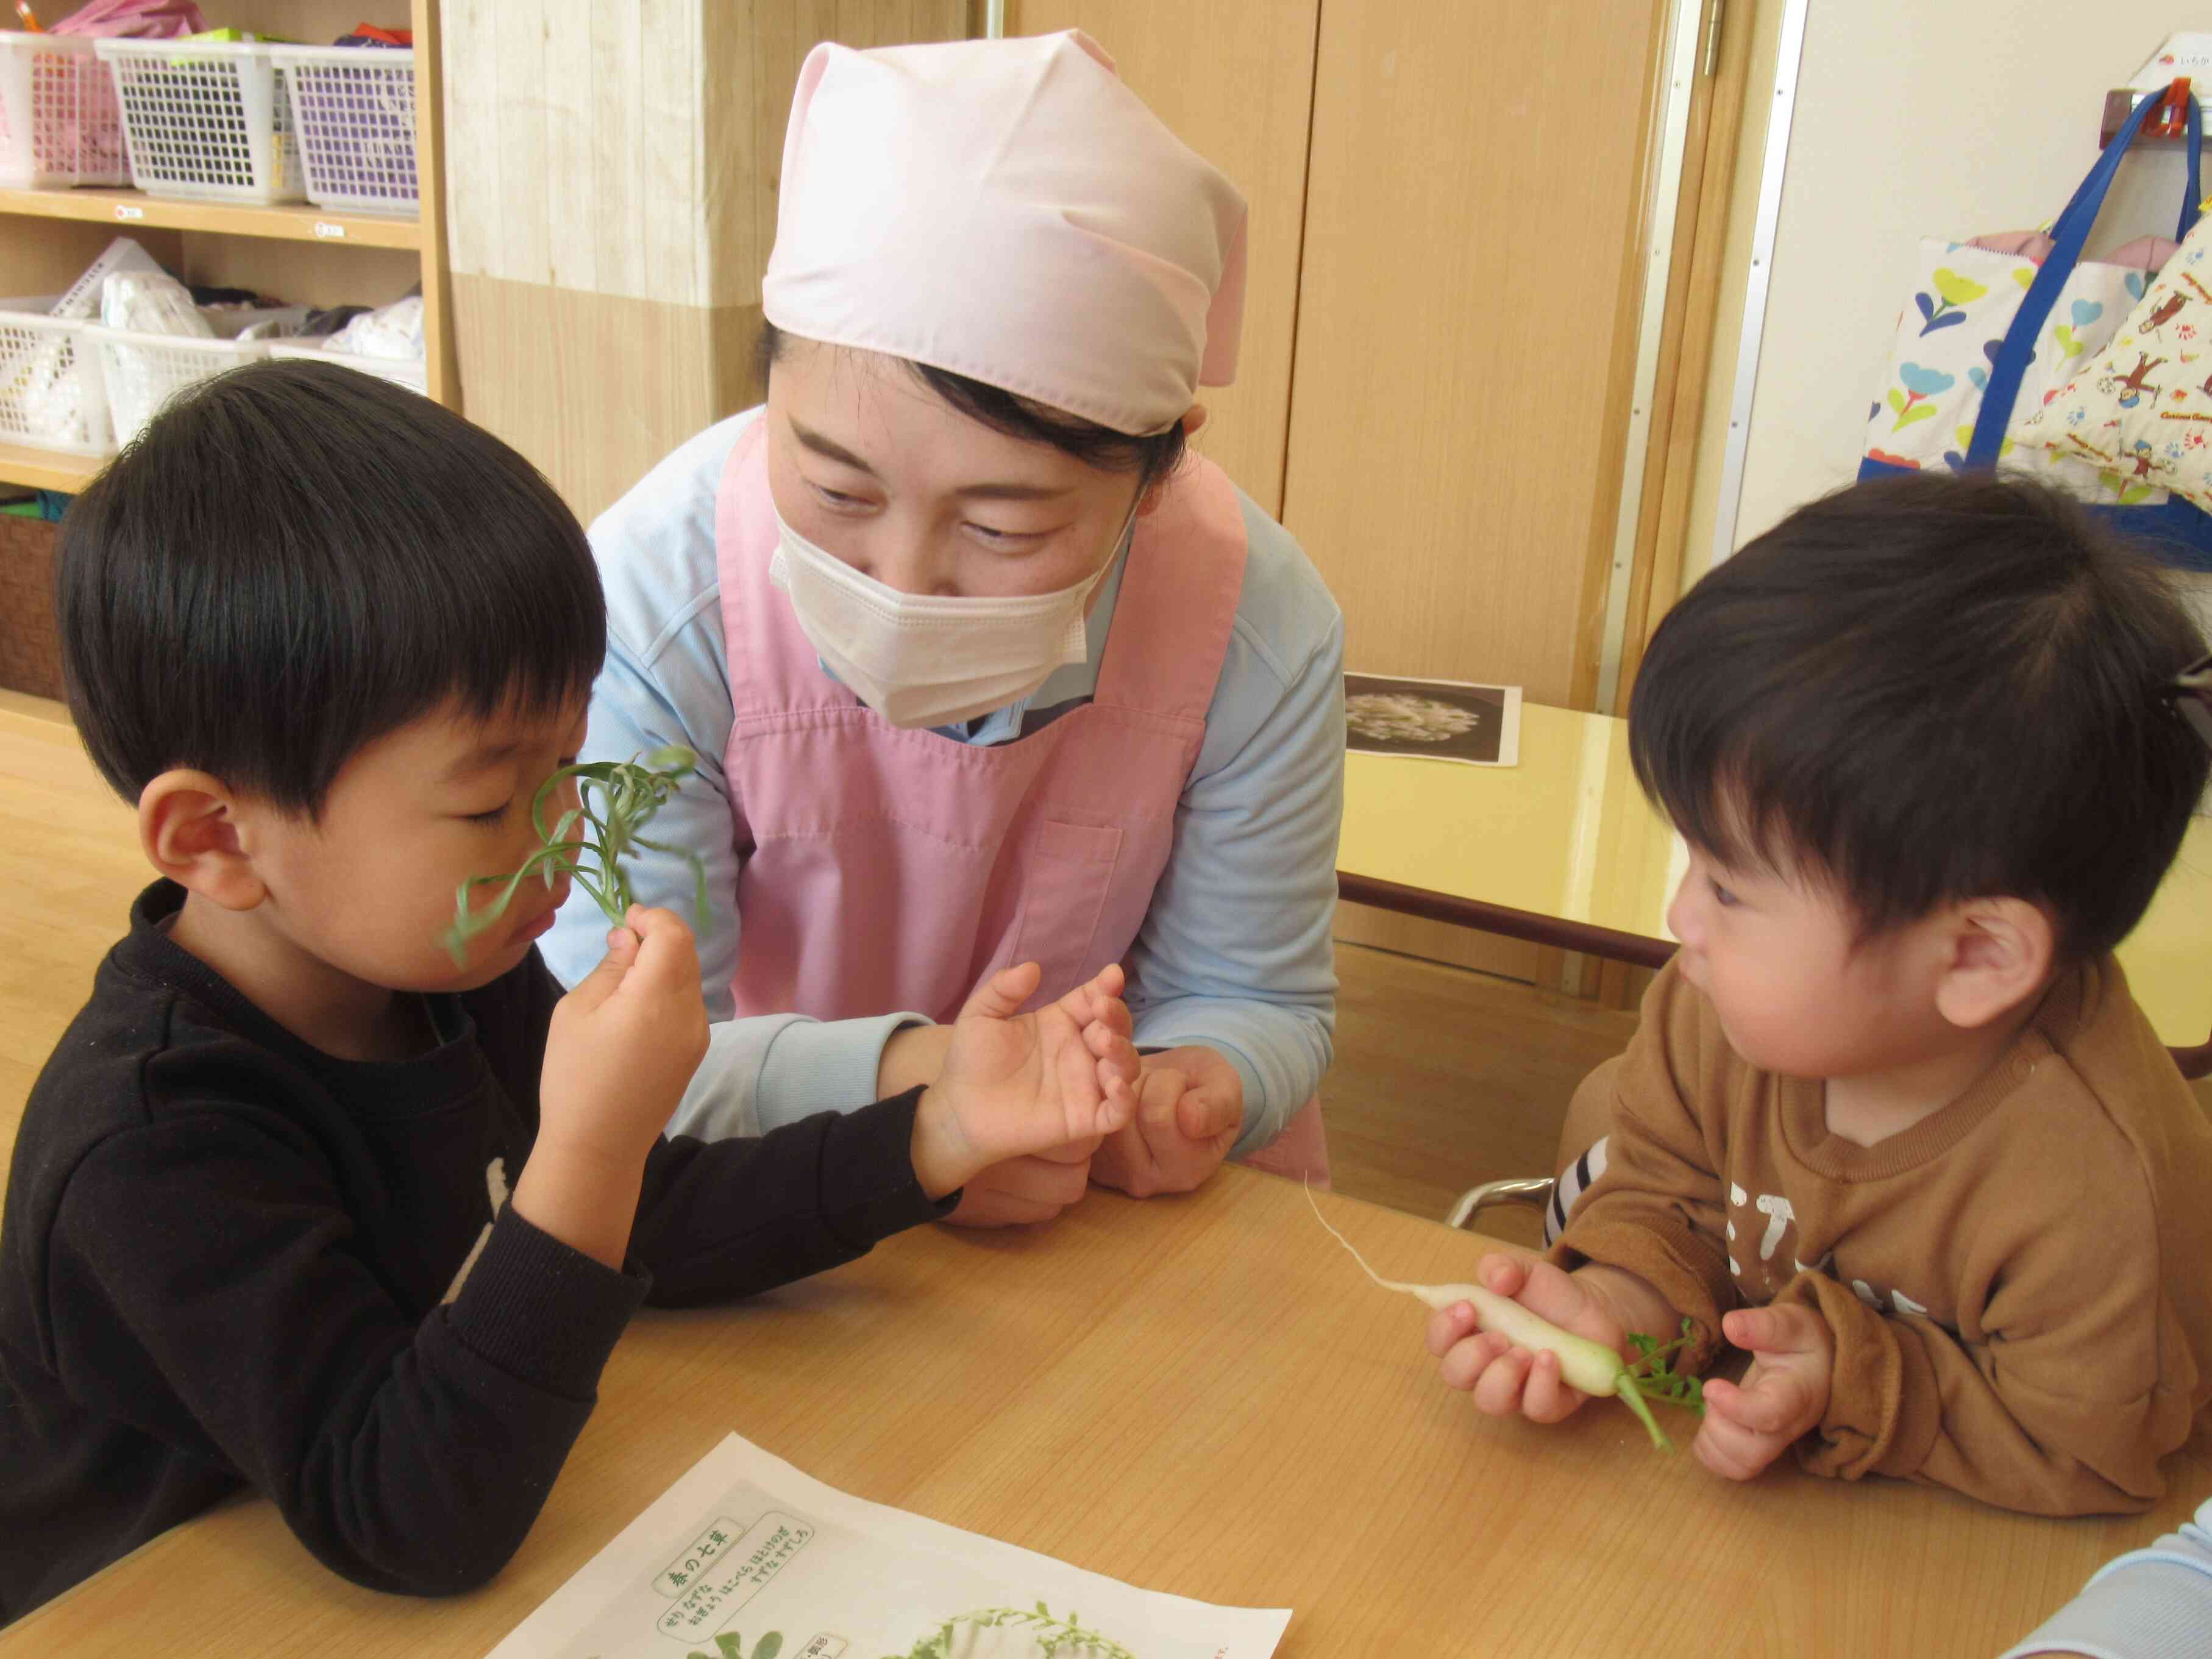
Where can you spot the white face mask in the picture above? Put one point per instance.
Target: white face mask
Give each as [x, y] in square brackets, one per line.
[924, 659]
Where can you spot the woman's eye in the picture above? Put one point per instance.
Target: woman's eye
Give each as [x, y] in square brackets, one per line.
[492, 817]
[997, 537]
[836, 498]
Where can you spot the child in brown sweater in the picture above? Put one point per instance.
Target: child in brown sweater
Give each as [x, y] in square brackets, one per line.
[1892, 1121]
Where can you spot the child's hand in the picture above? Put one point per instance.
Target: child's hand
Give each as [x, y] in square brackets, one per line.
[1506, 1379]
[1012, 1086]
[624, 1042]
[1782, 1398]
[1190, 1109]
[618, 1053]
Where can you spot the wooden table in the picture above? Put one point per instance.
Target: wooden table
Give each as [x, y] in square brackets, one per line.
[1200, 1395]
[1563, 850]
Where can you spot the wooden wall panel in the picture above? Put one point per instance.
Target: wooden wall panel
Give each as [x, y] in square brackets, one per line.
[593, 388]
[1466, 329]
[765, 45]
[612, 176]
[1236, 83]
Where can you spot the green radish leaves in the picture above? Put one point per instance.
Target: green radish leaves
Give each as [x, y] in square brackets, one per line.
[615, 799]
[1650, 1376]
[1655, 1378]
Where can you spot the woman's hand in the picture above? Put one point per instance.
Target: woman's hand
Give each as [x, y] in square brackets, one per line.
[1190, 1109]
[1024, 1192]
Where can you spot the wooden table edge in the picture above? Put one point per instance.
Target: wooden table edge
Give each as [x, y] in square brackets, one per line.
[1611, 943]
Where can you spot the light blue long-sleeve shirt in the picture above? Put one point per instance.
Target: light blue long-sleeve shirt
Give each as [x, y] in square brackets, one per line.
[1235, 951]
[2153, 1603]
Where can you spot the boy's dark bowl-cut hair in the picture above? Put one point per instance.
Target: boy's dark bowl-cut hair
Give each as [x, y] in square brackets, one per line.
[296, 558]
[1928, 688]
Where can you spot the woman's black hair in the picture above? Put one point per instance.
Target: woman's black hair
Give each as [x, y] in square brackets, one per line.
[296, 558]
[1927, 689]
[1151, 456]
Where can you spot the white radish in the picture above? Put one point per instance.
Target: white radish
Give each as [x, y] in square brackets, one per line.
[1588, 1366]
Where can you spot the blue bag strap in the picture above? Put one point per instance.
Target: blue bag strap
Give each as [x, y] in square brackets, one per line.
[2193, 192]
[2069, 237]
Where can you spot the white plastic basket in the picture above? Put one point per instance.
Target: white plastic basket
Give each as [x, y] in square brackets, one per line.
[52, 394]
[58, 122]
[142, 371]
[354, 109]
[205, 121]
[400, 371]
[80, 299]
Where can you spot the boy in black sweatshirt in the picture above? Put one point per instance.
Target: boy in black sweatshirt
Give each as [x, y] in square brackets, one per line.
[298, 1204]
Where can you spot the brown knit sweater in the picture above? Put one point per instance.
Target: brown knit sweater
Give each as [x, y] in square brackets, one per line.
[2019, 1287]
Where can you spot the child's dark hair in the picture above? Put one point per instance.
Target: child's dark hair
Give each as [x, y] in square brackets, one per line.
[1151, 456]
[297, 558]
[1928, 688]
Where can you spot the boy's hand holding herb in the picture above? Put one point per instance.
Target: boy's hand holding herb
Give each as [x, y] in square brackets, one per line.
[1603, 1303]
[1013, 1084]
[1782, 1398]
[620, 1049]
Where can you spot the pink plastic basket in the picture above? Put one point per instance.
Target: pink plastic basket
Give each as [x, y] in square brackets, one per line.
[60, 125]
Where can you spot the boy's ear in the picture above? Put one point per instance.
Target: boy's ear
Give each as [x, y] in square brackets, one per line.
[188, 827]
[2000, 954]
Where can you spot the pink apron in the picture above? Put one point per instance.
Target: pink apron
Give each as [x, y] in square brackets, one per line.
[884, 869]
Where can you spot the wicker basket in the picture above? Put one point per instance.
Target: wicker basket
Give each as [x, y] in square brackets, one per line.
[30, 650]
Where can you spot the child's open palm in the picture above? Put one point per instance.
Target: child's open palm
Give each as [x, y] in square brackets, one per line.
[1017, 1083]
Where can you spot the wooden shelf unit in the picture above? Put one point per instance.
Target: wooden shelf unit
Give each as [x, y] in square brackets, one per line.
[302, 254]
[47, 469]
[299, 222]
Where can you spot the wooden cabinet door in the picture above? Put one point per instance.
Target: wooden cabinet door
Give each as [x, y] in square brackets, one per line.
[1467, 325]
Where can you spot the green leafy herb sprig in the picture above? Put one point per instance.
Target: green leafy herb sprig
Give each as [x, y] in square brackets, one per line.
[615, 799]
[1651, 1376]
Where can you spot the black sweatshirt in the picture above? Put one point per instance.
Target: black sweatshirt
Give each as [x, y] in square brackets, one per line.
[228, 1259]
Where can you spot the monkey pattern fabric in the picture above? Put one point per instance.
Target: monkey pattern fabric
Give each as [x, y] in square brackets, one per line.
[2142, 410]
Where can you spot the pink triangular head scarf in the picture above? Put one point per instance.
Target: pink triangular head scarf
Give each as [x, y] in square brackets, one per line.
[1010, 210]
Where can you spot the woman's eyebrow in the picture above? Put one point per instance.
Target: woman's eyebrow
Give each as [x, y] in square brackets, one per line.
[1011, 492]
[829, 448]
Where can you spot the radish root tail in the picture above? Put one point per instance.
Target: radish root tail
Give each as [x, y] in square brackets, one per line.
[1386, 1284]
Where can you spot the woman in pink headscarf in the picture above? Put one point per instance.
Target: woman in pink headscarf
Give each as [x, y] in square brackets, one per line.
[983, 667]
